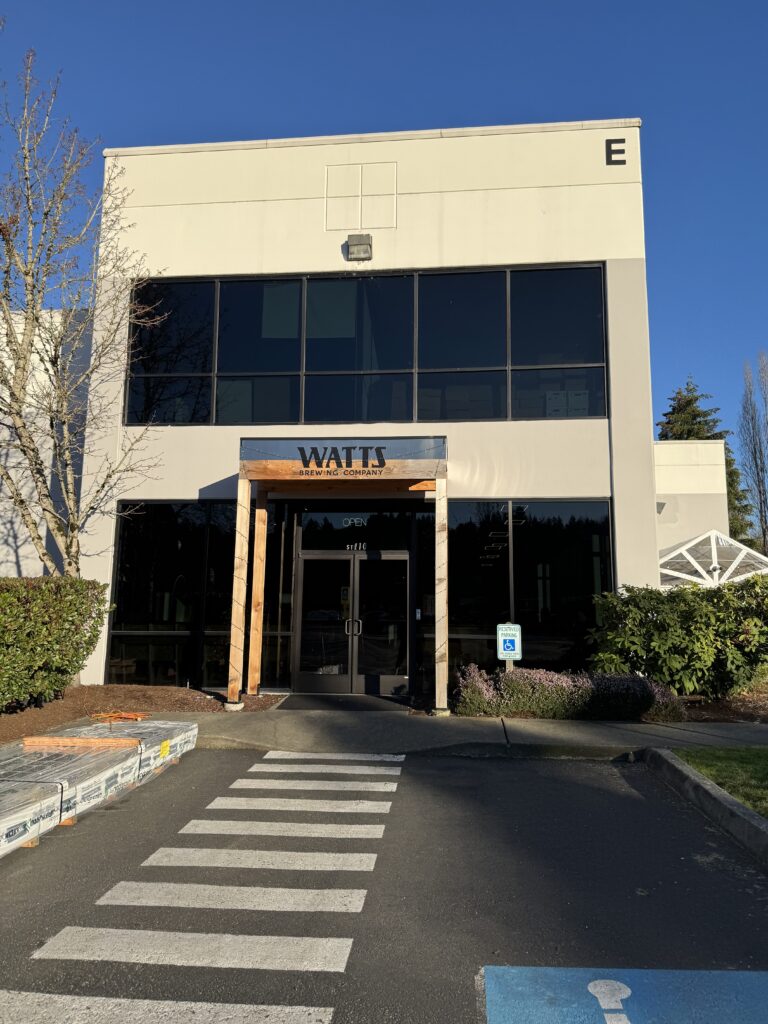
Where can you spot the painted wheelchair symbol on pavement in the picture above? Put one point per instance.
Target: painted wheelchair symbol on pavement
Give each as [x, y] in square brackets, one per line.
[588, 995]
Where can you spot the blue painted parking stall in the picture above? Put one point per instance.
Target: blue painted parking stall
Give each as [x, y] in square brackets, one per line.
[600, 995]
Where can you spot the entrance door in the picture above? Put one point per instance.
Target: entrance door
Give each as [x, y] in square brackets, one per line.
[353, 623]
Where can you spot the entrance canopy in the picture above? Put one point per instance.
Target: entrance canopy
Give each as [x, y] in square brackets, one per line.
[317, 467]
[709, 560]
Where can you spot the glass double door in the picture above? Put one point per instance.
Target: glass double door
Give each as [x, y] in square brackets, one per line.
[353, 623]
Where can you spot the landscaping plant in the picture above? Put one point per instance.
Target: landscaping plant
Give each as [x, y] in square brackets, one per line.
[538, 693]
[48, 628]
[696, 640]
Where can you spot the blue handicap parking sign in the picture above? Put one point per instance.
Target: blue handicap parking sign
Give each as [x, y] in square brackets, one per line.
[600, 995]
[509, 644]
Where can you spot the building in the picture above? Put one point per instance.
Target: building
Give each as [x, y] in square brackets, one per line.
[402, 385]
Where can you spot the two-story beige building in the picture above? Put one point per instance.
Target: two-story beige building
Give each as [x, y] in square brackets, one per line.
[399, 393]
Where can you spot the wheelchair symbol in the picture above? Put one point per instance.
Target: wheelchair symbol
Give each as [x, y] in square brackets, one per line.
[509, 645]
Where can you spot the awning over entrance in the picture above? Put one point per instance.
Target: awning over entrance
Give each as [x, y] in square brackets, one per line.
[344, 467]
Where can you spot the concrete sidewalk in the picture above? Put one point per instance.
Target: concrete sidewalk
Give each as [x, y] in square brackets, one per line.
[397, 732]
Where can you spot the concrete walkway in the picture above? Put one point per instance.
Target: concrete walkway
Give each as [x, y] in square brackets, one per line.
[396, 731]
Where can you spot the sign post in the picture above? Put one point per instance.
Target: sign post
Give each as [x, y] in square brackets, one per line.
[509, 642]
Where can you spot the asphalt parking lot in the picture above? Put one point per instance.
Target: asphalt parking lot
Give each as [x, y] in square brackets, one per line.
[480, 863]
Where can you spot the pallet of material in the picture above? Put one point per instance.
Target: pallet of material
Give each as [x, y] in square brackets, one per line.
[85, 776]
[160, 743]
[27, 811]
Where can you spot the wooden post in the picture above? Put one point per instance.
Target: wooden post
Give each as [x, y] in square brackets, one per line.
[441, 595]
[239, 585]
[257, 589]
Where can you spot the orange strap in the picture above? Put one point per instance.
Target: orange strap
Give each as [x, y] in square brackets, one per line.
[120, 716]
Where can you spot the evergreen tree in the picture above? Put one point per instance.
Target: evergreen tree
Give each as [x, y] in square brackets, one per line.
[687, 420]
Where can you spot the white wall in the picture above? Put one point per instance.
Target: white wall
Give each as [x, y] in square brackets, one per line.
[691, 495]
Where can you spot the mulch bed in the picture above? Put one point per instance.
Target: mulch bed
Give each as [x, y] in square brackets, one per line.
[81, 701]
[749, 707]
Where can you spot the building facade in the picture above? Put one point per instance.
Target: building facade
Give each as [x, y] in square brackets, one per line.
[401, 383]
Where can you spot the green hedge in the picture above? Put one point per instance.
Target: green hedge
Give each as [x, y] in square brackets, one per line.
[48, 627]
[702, 640]
[538, 693]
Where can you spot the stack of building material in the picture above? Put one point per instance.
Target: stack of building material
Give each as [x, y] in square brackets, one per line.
[27, 810]
[50, 780]
[85, 775]
[160, 743]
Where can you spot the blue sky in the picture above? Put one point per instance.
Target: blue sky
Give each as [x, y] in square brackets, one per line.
[696, 72]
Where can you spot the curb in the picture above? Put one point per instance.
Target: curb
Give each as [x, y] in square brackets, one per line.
[746, 826]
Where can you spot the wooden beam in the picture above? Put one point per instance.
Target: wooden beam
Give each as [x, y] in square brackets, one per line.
[239, 586]
[257, 590]
[441, 595]
[422, 485]
[356, 472]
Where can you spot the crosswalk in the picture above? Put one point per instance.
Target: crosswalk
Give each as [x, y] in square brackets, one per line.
[335, 776]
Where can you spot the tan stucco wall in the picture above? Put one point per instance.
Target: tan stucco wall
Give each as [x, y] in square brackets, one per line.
[691, 496]
[518, 195]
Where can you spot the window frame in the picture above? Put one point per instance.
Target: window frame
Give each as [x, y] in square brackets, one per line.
[416, 273]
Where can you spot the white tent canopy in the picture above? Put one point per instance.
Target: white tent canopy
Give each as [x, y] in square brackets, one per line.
[709, 560]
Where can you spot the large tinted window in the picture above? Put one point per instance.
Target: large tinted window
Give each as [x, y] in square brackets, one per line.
[481, 395]
[557, 316]
[176, 335]
[160, 567]
[169, 400]
[270, 399]
[558, 394]
[367, 398]
[561, 556]
[462, 320]
[362, 324]
[485, 345]
[173, 594]
[259, 326]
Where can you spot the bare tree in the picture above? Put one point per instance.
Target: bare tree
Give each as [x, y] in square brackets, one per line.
[753, 435]
[65, 312]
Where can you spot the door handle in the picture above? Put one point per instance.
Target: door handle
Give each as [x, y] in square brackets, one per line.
[347, 627]
[358, 627]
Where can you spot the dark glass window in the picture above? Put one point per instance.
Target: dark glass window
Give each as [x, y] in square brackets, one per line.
[365, 398]
[557, 316]
[462, 320]
[173, 593]
[558, 394]
[269, 399]
[161, 551]
[219, 560]
[463, 396]
[259, 326]
[561, 559]
[360, 324]
[169, 400]
[177, 336]
[478, 589]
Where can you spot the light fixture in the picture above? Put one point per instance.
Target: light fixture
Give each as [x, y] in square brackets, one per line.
[359, 247]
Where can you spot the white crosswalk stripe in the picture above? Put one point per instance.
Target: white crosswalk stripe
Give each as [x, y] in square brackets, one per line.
[316, 784]
[234, 897]
[325, 769]
[198, 949]
[282, 772]
[290, 755]
[46, 1008]
[270, 860]
[255, 803]
[297, 829]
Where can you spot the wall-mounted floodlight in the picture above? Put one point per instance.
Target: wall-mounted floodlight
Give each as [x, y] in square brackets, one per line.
[359, 247]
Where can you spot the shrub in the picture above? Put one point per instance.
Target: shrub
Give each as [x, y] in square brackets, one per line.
[536, 693]
[48, 627]
[692, 639]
